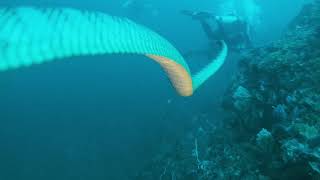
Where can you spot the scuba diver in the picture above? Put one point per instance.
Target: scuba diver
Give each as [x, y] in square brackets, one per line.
[232, 29]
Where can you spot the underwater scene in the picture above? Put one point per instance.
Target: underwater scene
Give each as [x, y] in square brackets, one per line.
[159, 89]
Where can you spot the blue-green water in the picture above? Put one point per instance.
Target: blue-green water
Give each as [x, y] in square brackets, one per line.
[104, 117]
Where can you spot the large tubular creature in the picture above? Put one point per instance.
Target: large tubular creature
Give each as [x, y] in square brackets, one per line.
[32, 36]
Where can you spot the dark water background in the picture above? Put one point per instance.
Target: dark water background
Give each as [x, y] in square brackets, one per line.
[103, 117]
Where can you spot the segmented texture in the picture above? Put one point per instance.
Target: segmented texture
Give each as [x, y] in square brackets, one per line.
[210, 69]
[31, 36]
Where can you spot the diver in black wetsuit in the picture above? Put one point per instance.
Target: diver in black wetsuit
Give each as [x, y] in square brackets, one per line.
[232, 29]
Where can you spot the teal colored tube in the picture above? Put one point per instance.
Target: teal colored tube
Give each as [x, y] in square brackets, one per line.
[31, 36]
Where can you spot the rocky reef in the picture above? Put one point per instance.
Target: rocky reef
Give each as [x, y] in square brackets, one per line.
[273, 127]
[276, 97]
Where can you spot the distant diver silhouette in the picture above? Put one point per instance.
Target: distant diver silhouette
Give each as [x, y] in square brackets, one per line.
[33, 36]
[230, 28]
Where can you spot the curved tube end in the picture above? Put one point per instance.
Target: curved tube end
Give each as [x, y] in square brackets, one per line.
[178, 75]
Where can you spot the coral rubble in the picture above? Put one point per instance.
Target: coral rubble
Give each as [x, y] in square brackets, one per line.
[273, 130]
[283, 80]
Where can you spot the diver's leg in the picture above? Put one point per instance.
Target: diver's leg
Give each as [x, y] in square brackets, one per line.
[207, 29]
[198, 15]
[188, 13]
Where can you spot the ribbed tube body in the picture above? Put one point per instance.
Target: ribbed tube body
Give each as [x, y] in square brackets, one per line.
[31, 35]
